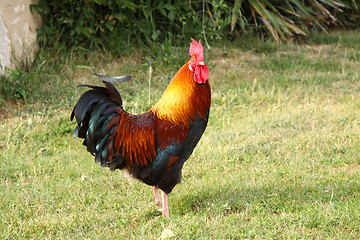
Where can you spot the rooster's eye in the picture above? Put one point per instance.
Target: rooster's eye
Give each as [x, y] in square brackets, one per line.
[193, 60]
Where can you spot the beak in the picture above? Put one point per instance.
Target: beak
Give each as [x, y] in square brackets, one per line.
[202, 63]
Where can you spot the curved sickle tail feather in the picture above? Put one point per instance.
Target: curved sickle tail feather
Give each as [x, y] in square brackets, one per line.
[93, 112]
[113, 79]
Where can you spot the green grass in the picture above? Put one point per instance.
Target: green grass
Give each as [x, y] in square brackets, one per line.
[279, 159]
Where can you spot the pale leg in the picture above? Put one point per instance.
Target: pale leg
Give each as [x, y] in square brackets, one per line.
[165, 205]
[157, 197]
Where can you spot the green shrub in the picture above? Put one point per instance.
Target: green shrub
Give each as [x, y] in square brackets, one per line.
[118, 24]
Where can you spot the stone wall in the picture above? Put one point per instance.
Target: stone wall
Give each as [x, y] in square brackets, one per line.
[18, 26]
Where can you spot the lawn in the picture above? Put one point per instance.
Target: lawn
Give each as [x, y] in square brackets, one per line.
[280, 157]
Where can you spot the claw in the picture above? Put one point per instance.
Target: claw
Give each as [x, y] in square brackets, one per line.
[164, 207]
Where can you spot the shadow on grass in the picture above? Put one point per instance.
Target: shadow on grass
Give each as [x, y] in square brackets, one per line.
[273, 199]
[152, 213]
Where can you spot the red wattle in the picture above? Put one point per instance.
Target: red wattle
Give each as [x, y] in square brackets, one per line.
[201, 73]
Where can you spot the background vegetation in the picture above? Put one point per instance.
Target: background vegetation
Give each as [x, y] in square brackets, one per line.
[116, 25]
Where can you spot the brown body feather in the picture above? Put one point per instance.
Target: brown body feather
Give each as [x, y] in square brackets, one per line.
[136, 136]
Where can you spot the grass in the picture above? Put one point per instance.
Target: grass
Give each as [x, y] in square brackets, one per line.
[279, 159]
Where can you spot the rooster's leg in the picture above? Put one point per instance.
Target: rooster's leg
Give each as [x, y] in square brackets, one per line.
[157, 197]
[165, 205]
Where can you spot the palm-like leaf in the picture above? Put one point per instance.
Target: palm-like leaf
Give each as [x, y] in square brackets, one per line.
[284, 19]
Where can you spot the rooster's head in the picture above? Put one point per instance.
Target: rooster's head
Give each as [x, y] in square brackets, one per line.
[196, 62]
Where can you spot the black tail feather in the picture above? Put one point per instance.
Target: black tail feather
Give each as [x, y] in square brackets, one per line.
[93, 112]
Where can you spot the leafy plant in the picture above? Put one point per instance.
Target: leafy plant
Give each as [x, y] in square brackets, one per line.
[14, 86]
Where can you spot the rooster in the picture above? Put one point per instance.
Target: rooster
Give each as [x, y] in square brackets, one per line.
[152, 147]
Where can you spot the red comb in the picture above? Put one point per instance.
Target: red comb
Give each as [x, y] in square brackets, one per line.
[197, 49]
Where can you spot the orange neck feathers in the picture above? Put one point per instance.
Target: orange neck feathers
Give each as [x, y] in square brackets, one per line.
[183, 99]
